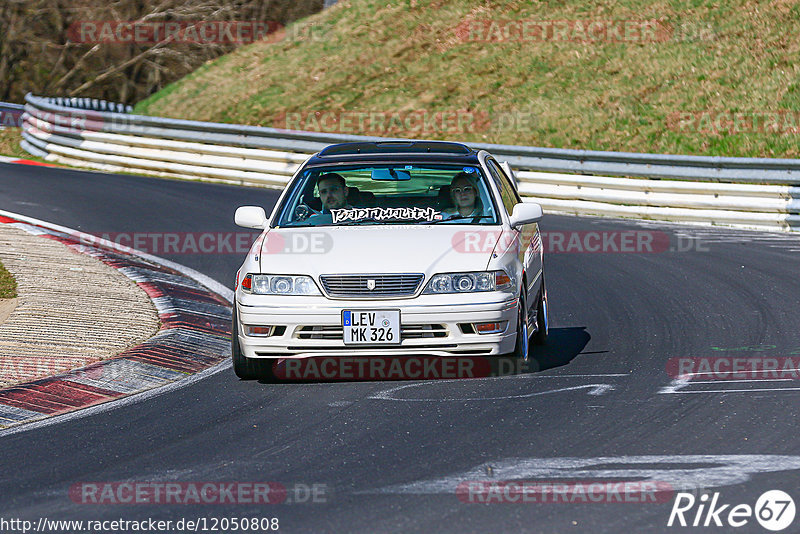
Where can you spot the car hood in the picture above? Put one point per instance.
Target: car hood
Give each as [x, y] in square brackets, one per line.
[377, 249]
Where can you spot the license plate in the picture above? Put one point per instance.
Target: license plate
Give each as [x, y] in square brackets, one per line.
[370, 327]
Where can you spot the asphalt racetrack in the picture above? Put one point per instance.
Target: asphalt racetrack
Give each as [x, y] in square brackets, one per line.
[605, 404]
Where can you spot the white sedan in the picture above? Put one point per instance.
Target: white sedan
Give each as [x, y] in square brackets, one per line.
[391, 249]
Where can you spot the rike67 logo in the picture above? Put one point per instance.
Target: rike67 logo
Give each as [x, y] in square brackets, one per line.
[774, 510]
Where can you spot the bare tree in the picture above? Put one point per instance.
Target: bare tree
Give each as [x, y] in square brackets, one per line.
[41, 51]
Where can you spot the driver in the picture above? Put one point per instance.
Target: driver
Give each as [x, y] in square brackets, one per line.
[332, 192]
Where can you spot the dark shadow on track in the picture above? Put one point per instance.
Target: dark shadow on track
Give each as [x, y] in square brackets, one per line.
[563, 344]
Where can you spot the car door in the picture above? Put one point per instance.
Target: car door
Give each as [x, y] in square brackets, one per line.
[530, 253]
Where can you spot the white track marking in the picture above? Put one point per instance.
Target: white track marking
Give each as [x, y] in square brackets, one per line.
[754, 390]
[685, 380]
[528, 375]
[743, 381]
[594, 389]
[788, 242]
[675, 385]
[743, 371]
[728, 470]
[580, 376]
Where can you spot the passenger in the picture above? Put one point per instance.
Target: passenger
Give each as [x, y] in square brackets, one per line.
[464, 195]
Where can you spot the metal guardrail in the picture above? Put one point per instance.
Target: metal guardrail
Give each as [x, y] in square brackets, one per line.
[699, 168]
[675, 167]
[91, 104]
[752, 192]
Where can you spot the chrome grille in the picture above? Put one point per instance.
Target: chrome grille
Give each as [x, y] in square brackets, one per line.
[320, 332]
[415, 331]
[386, 285]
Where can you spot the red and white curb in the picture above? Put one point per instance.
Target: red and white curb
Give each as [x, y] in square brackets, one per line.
[195, 314]
[7, 159]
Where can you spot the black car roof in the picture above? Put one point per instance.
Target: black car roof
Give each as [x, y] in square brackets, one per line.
[396, 151]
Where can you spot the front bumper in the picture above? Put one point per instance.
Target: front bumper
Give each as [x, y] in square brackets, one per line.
[311, 326]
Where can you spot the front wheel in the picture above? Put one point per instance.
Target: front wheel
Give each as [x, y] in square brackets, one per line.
[244, 367]
[542, 327]
[522, 345]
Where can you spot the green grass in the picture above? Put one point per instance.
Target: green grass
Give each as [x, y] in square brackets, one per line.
[9, 143]
[8, 286]
[396, 56]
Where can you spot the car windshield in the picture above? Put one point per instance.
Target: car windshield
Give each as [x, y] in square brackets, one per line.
[370, 194]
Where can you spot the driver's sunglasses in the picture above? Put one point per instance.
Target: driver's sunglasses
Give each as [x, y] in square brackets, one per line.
[467, 189]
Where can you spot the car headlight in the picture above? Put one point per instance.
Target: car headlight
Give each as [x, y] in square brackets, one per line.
[272, 284]
[469, 282]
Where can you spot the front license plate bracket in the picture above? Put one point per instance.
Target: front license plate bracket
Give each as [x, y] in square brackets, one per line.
[371, 327]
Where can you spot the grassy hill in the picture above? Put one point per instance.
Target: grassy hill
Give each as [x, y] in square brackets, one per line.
[716, 78]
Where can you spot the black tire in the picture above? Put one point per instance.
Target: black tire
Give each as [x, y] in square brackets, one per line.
[244, 367]
[542, 322]
[522, 346]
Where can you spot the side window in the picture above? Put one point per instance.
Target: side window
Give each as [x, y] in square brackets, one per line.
[507, 191]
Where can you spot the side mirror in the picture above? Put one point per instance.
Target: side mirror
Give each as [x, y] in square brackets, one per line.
[525, 213]
[251, 217]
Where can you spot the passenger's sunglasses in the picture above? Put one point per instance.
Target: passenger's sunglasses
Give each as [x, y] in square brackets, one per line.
[458, 190]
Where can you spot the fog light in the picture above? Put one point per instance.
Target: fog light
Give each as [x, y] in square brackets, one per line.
[260, 331]
[490, 328]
